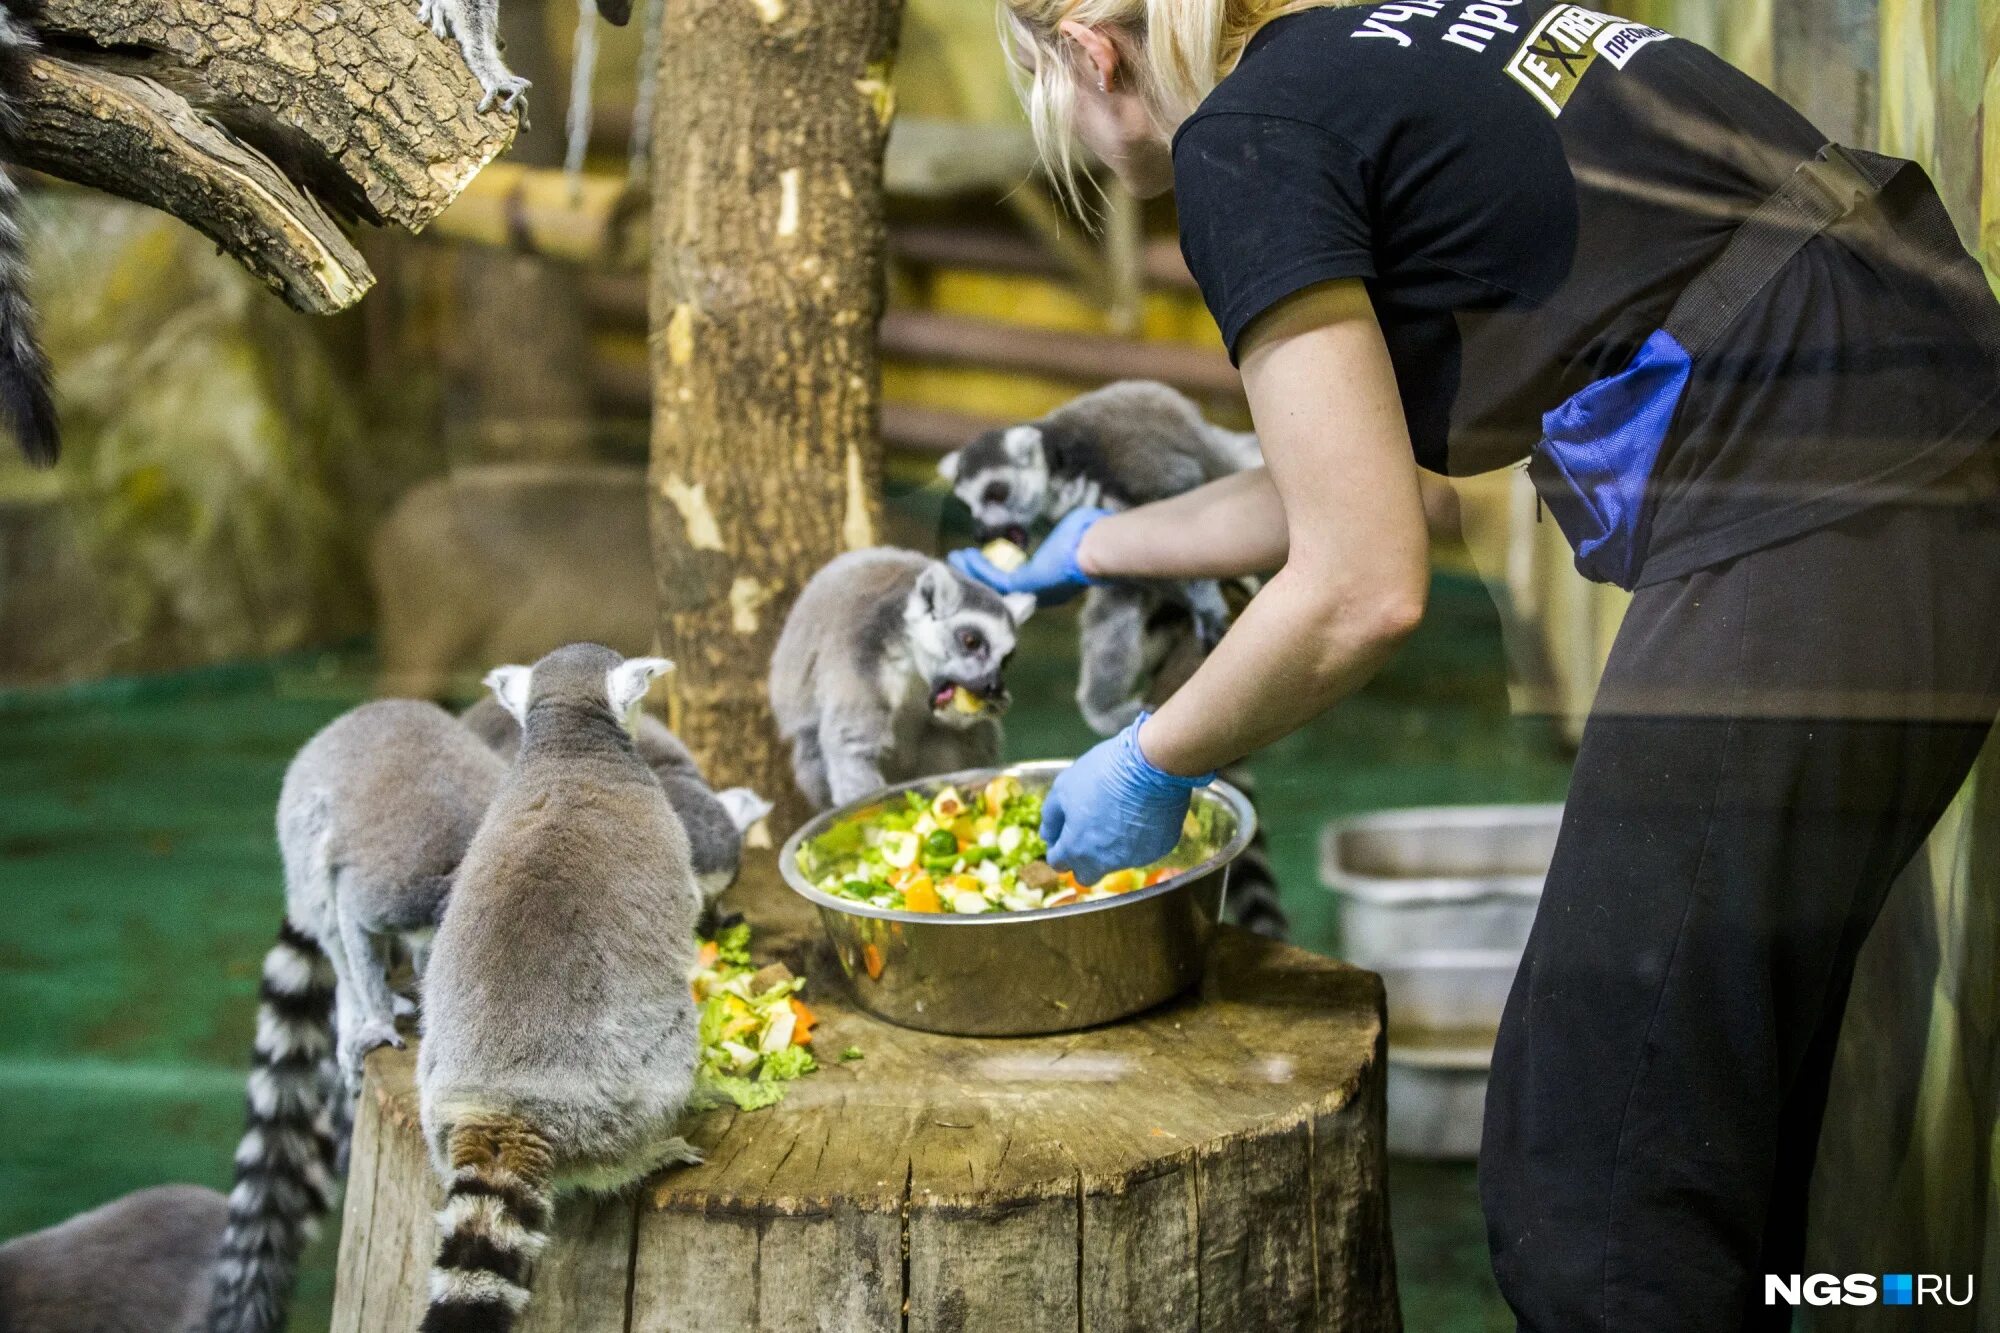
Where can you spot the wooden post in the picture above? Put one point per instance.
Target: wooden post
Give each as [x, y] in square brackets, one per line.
[767, 283]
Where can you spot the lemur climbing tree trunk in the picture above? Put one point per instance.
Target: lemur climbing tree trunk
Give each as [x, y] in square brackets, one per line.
[766, 287]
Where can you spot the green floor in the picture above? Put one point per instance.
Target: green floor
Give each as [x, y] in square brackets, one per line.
[139, 887]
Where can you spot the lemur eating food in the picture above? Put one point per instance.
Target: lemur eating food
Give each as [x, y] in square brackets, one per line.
[374, 814]
[1126, 444]
[560, 1035]
[889, 667]
[715, 820]
[26, 399]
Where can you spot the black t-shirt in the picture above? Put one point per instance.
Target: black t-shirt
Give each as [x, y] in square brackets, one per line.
[1526, 188]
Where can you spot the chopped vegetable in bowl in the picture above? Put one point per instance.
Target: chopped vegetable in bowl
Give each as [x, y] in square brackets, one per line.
[952, 853]
[756, 1034]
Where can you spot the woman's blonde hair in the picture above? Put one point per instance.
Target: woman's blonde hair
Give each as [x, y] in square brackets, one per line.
[1176, 51]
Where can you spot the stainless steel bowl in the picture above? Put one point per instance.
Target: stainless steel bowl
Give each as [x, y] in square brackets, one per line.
[1012, 974]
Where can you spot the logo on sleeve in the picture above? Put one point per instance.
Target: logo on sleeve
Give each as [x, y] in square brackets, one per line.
[1559, 51]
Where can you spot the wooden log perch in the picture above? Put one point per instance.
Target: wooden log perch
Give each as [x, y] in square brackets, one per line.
[1214, 1166]
[259, 122]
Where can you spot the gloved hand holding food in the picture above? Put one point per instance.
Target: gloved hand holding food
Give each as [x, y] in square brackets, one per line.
[1051, 573]
[1112, 809]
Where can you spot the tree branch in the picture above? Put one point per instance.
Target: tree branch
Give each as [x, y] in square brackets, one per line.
[259, 121]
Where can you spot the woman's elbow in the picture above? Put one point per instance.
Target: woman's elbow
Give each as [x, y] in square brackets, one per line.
[1392, 617]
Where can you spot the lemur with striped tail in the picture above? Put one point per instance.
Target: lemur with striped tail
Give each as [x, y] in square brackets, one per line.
[374, 815]
[716, 821]
[1126, 444]
[560, 1036]
[295, 1122]
[26, 400]
[1129, 443]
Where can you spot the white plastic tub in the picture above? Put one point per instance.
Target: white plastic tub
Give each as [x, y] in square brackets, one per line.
[1439, 901]
[1438, 878]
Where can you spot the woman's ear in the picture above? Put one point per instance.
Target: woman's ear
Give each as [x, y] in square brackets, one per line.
[1097, 48]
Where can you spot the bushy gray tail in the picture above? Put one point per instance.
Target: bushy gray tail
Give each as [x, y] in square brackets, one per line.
[285, 1164]
[493, 1226]
[26, 400]
[1253, 901]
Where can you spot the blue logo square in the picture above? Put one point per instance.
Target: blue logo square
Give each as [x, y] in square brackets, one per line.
[1897, 1289]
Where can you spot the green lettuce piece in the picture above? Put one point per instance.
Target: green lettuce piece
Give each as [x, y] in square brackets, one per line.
[733, 945]
[790, 1063]
[745, 1093]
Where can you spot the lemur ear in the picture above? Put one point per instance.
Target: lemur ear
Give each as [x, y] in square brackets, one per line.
[625, 684]
[745, 807]
[948, 465]
[939, 589]
[1020, 605]
[510, 686]
[1024, 444]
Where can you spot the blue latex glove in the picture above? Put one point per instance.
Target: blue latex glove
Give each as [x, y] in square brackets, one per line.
[1051, 573]
[1112, 809]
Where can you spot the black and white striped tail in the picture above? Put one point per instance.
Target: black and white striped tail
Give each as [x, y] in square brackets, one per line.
[284, 1164]
[26, 400]
[1253, 902]
[493, 1225]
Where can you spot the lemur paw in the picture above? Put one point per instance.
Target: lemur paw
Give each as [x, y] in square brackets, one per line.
[356, 1045]
[402, 1006]
[509, 93]
[1111, 721]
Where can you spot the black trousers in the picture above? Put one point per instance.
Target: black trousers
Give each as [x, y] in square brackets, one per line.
[1773, 741]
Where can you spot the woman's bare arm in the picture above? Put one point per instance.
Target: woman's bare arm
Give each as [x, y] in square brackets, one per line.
[1228, 528]
[1349, 525]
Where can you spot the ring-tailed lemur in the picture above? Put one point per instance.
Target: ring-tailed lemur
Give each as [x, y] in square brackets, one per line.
[476, 25]
[25, 396]
[295, 1124]
[715, 820]
[560, 1037]
[139, 1262]
[375, 812]
[1126, 444]
[890, 667]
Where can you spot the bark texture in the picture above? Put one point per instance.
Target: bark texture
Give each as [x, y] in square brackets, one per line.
[1214, 1166]
[258, 121]
[766, 289]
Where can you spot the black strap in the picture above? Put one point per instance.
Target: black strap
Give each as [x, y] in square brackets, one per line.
[1820, 193]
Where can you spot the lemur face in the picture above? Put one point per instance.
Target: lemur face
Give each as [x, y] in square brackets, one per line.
[961, 634]
[1003, 477]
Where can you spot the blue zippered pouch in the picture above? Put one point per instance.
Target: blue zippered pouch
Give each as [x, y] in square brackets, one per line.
[1597, 455]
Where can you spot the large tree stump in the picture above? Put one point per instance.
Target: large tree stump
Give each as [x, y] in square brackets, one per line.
[767, 267]
[1216, 1164]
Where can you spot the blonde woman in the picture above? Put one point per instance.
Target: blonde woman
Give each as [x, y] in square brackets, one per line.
[1756, 379]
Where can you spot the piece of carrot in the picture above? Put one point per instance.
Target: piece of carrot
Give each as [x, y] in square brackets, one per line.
[920, 895]
[710, 951]
[802, 1027]
[871, 959]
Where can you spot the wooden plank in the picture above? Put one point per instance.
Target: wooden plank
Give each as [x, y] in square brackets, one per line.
[917, 335]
